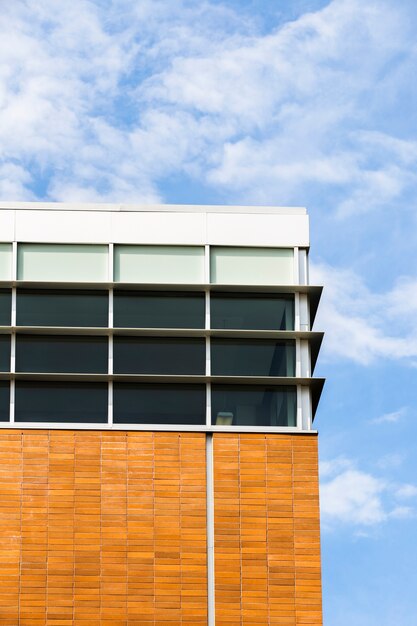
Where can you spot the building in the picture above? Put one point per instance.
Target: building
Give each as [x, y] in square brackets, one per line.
[158, 457]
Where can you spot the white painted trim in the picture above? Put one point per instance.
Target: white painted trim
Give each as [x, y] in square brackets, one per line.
[284, 430]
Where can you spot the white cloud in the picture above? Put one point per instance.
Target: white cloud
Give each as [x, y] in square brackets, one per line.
[106, 101]
[390, 418]
[350, 496]
[362, 325]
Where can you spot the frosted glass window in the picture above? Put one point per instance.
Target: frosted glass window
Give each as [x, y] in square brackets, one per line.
[159, 264]
[252, 266]
[5, 261]
[62, 262]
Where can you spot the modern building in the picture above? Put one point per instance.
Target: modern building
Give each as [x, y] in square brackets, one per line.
[158, 459]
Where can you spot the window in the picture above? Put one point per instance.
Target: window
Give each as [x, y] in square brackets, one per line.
[236, 405]
[61, 402]
[158, 264]
[62, 262]
[5, 261]
[252, 311]
[252, 357]
[66, 307]
[252, 266]
[5, 307]
[63, 354]
[159, 404]
[153, 309]
[4, 401]
[5, 353]
[155, 355]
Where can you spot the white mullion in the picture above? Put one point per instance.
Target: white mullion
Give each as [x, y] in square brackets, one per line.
[110, 337]
[13, 334]
[297, 325]
[110, 361]
[207, 327]
[299, 420]
[296, 266]
[298, 358]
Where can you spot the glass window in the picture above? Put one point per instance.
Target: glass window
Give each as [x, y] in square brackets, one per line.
[62, 262]
[74, 402]
[252, 266]
[252, 357]
[236, 405]
[5, 307]
[63, 354]
[156, 355]
[153, 309]
[159, 264]
[5, 261]
[5, 353]
[252, 311]
[66, 307]
[159, 404]
[4, 401]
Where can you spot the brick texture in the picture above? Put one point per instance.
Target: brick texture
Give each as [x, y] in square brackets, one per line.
[103, 528]
[100, 528]
[267, 535]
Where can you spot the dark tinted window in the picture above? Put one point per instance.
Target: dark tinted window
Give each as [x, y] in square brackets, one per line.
[159, 404]
[252, 311]
[259, 357]
[155, 355]
[5, 307]
[62, 308]
[67, 354]
[61, 402]
[253, 406]
[150, 309]
[4, 401]
[4, 353]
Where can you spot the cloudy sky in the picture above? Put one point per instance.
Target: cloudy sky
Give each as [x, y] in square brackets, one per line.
[303, 102]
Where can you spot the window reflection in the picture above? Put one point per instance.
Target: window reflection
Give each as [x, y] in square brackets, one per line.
[39, 401]
[4, 400]
[257, 357]
[5, 307]
[159, 404]
[252, 311]
[237, 405]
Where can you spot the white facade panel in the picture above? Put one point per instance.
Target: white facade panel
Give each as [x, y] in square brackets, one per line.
[242, 229]
[159, 264]
[252, 266]
[57, 262]
[6, 225]
[159, 228]
[63, 226]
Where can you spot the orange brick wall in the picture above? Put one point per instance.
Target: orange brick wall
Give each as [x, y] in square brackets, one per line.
[100, 528]
[267, 535]
[103, 528]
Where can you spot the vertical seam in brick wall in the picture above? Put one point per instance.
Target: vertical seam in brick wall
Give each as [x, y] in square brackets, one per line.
[267, 527]
[293, 528]
[211, 616]
[240, 526]
[19, 583]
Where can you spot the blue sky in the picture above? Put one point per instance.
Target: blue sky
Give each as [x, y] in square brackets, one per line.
[306, 103]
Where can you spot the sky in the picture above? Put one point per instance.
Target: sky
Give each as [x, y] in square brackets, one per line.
[303, 103]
